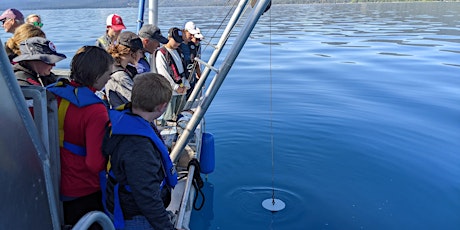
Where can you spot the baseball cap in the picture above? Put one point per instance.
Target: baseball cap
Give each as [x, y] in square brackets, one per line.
[152, 32]
[176, 34]
[130, 40]
[115, 21]
[38, 48]
[190, 27]
[198, 34]
[13, 14]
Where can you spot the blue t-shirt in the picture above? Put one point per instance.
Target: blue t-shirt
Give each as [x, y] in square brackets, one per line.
[143, 66]
[186, 51]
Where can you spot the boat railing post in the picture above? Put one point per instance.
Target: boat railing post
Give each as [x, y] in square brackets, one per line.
[94, 217]
[223, 39]
[153, 12]
[39, 146]
[240, 40]
[140, 15]
[212, 60]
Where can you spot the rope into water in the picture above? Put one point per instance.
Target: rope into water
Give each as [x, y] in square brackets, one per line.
[271, 107]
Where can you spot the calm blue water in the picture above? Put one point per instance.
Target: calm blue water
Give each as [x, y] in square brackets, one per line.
[362, 102]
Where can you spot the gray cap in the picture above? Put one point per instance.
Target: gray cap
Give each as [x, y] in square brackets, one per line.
[152, 32]
[131, 40]
[38, 48]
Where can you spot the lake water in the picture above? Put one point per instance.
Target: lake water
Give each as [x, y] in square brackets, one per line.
[362, 102]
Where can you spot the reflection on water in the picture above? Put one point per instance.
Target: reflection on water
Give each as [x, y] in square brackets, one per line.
[365, 119]
[202, 219]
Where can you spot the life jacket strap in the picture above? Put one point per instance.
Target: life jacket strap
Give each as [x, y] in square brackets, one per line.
[176, 77]
[118, 219]
[62, 110]
[103, 184]
[75, 149]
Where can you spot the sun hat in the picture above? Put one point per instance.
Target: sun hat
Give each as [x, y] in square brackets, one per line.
[198, 34]
[115, 22]
[176, 34]
[130, 40]
[38, 48]
[190, 27]
[152, 32]
[13, 14]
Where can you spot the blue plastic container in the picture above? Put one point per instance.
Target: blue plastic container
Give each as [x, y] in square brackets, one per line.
[207, 157]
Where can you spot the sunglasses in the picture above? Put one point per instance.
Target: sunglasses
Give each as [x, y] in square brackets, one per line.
[39, 24]
[5, 20]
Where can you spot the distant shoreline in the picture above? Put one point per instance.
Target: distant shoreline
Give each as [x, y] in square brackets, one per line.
[82, 4]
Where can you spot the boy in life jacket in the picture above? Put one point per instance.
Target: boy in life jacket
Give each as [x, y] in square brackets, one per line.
[82, 118]
[141, 174]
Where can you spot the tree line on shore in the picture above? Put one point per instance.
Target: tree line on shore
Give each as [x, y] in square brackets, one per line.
[58, 4]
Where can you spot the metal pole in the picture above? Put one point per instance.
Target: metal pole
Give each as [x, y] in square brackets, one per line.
[223, 39]
[153, 12]
[140, 15]
[241, 39]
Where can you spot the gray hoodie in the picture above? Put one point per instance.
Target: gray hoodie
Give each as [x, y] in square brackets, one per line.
[118, 88]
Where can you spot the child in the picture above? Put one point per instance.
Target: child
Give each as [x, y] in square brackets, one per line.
[142, 173]
[82, 120]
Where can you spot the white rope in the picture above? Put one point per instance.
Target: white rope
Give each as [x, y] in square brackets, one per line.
[271, 108]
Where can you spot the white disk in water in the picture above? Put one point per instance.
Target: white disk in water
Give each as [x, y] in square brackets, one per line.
[273, 205]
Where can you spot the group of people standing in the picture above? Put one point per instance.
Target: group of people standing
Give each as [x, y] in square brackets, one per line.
[174, 60]
[107, 108]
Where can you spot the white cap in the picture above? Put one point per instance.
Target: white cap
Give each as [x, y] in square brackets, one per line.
[198, 34]
[190, 27]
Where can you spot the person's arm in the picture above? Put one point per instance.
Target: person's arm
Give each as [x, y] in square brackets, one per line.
[144, 174]
[118, 88]
[198, 70]
[126, 85]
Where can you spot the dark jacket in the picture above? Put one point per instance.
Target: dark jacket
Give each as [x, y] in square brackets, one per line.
[26, 76]
[136, 162]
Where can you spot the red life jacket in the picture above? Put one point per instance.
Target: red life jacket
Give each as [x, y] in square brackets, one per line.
[173, 70]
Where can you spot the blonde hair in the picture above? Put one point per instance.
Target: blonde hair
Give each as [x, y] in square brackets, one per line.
[22, 33]
[33, 16]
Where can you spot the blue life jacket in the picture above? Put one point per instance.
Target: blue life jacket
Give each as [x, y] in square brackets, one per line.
[78, 96]
[123, 123]
[172, 67]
